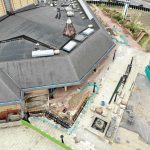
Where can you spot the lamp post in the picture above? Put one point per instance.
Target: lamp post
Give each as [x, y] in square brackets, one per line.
[94, 87]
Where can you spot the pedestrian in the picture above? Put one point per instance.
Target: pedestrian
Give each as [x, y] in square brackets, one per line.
[26, 117]
[62, 138]
[94, 87]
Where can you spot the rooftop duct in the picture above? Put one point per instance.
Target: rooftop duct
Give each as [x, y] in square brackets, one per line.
[42, 53]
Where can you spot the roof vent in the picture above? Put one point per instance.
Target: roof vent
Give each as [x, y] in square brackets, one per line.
[37, 46]
[69, 29]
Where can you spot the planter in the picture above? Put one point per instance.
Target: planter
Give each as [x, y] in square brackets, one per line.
[141, 35]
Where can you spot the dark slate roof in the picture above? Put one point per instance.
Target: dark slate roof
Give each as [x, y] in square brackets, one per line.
[44, 71]
[8, 89]
[17, 49]
[90, 52]
[20, 32]
[39, 24]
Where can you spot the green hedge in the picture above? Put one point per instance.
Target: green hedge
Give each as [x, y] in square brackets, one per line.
[118, 17]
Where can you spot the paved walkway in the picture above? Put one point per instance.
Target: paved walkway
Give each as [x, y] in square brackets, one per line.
[22, 138]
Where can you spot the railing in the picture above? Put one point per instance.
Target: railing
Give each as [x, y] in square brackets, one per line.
[118, 4]
[46, 135]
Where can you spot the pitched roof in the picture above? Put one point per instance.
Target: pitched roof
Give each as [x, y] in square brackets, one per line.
[40, 25]
[8, 89]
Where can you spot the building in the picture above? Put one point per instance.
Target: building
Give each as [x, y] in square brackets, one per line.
[29, 31]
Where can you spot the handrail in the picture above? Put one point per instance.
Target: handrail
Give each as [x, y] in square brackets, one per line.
[46, 135]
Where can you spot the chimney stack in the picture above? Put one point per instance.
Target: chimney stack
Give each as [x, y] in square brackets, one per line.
[69, 29]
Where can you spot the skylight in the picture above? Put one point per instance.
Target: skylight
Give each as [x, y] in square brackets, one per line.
[70, 46]
[80, 37]
[88, 31]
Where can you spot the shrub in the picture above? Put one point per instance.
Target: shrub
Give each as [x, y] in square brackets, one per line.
[121, 21]
[134, 28]
[118, 16]
[106, 9]
[103, 6]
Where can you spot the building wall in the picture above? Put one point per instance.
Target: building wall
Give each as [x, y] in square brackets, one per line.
[9, 109]
[17, 4]
[2, 8]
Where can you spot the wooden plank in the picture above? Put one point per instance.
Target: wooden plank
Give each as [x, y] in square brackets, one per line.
[18, 4]
[2, 8]
[10, 107]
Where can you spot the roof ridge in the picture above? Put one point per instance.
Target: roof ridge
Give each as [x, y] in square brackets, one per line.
[70, 61]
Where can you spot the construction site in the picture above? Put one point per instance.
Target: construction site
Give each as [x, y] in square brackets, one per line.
[70, 78]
